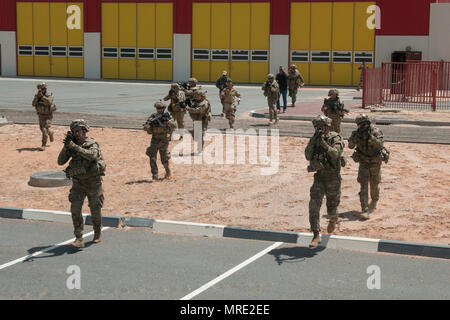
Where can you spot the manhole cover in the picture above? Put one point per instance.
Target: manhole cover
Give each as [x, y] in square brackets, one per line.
[49, 179]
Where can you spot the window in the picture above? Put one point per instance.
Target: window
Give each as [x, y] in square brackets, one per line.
[75, 51]
[363, 56]
[41, 51]
[320, 56]
[300, 55]
[219, 54]
[58, 51]
[260, 55]
[146, 53]
[342, 57]
[200, 54]
[109, 52]
[239, 55]
[128, 53]
[25, 50]
[164, 53]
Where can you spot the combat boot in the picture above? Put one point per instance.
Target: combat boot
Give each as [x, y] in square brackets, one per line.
[331, 226]
[78, 243]
[168, 173]
[97, 236]
[364, 216]
[155, 177]
[372, 206]
[316, 240]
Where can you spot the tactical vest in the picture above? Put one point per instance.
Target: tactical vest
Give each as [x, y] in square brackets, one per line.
[322, 161]
[45, 106]
[81, 168]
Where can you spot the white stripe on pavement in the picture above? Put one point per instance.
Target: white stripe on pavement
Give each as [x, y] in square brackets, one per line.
[230, 272]
[6, 265]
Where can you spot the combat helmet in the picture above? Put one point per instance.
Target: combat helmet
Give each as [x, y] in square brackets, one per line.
[334, 90]
[174, 85]
[293, 66]
[79, 123]
[194, 80]
[159, 104]
[201, 93]
[362, 118]
[321, 121]
[270, 76]
[42, 85]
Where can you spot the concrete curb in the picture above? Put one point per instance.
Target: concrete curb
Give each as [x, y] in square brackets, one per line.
[377, 120]
[213, 230]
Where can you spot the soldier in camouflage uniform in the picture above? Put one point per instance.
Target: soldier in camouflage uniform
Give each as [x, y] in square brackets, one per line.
[333, 108]
[221, 84]
[326, 156]
[200, 111]
[160, 125]
[295, 80]
[177, 106]
[229, 97]
[86, 169]
[369, 152]
[272, 92]
[189, 93]
[43, 102]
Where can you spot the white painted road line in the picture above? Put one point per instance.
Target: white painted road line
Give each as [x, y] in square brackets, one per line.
[231, 271]
[6, 265]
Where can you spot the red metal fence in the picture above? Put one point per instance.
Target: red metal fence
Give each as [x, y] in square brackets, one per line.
[420, 85]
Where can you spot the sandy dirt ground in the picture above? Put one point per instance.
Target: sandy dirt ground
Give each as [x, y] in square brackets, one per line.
[414, 204]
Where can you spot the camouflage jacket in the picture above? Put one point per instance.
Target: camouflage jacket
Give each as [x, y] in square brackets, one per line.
[190, 92]
[177, 101]
[229, 95]
[87, 160]
[221, 83]
[44, 104]
[200, 110]
[271, 90]
[369, 144]
[294, 79]
[325, 158]
[332, 108]
[160, 131]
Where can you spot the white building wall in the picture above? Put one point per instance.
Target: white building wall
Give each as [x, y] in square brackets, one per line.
[8, 47]
[385, 45]
[181, 57]
[439, 40]
[279, 52]
[92, 55]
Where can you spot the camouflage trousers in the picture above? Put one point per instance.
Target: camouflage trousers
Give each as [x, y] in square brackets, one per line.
[293, 94]
[92, 189]
[272, 102]
[325, 184]
[369, 172]
[335, 123]
[45, 122]
[179, 118]
[230, 110]
[160, 144]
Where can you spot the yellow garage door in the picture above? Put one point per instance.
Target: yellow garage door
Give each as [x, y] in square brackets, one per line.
[164, 41]
[25, 65]
[259, 41]
[146, 41]
[220, 39]
[137, 40]
[41, 37]
[201, 41]
[110, 40]
[364, 39]
[233, 37]
[240, 42]
[46, 46]
[342, 64]
[75, 42]
[321, 17]
[300, 37]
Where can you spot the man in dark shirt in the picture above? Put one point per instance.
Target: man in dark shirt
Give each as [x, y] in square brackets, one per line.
[282, 82]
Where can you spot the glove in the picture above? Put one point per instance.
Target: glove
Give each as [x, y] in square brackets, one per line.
[323, 143]
[69, 137]
[71, 145]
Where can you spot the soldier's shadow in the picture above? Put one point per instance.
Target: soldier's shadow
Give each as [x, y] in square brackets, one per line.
[351, 215]
[295, 254]
[29, 149]
[56, 252]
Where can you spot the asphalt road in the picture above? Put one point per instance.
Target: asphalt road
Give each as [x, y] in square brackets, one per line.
[141, 264]
[127, 98]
